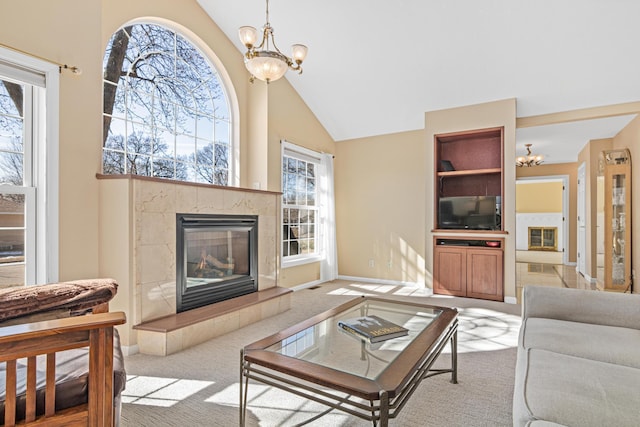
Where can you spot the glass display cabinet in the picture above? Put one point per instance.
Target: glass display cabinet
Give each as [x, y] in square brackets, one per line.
[616, 169]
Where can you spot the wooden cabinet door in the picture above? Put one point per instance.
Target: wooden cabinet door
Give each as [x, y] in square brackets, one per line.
[484, 274]
[449, 271]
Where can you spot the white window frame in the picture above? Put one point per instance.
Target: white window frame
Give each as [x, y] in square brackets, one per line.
[295, 151]
[41, 166]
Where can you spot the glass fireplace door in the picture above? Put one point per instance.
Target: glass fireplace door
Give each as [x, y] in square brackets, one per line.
[215, 256]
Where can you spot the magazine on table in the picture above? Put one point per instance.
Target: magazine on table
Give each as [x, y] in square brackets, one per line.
[373, 328]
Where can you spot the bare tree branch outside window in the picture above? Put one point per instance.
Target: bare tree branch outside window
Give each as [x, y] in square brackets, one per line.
[11, 133]
[165, 110]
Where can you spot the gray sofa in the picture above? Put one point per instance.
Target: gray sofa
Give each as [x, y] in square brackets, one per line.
[578, 359]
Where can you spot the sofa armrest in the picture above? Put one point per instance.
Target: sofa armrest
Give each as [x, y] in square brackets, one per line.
[585, 306]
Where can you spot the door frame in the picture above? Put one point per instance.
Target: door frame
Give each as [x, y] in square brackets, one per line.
[565, 208]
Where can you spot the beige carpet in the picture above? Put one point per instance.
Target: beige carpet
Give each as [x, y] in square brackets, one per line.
[199, 386]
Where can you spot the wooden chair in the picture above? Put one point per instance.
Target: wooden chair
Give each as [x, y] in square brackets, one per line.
[60, 372]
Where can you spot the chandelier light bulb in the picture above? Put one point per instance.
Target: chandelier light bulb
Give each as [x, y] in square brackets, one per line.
[299, 52]
[248, 36]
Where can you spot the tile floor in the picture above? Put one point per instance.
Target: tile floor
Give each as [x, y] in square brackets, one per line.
[546, 271]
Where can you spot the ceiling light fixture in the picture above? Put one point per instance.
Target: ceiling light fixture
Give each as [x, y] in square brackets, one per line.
[265, 64]
[530, 159]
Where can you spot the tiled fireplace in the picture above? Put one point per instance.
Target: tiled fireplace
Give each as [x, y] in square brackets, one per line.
[139, 219]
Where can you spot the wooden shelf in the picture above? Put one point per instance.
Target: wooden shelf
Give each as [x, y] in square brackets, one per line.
[471, 172]
[477, 157]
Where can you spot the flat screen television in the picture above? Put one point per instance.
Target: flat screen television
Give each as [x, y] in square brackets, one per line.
[469, 212]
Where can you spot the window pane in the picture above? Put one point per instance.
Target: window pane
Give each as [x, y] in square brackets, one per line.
[291, 165]
[204, 127]
[113, 162]
[12, 210]
[222, 131]
[222, 156]
[12, 274]
[11, 245]
[11, 99]
[204, 173]
[185, 145]
[12, 239]
[138, 165]
[11, 167]
[222, 177]
[311, 191]
[11, 130]
[168, 93]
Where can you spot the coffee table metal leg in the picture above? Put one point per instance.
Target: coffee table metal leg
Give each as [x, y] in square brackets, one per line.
[243, 396]
[454, 357]
[384, 409]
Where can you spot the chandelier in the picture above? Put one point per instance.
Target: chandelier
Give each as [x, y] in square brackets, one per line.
[265, 61]
[530, 159]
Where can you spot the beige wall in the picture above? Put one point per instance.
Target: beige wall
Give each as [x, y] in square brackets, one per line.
[629, 138]
[559, 169]
[49, 30]
[538, 197]
[480, 116]
[380, 206]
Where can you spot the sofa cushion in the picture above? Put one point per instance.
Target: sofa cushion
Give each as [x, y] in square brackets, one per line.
[574, 391]
[602, 343]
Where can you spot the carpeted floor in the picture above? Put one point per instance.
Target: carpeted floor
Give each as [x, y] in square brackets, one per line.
[199, 386]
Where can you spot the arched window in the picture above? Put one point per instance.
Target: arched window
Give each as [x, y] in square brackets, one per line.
[165, 113]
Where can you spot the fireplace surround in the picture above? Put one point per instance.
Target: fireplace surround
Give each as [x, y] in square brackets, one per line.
[216, 258]
[139, 217]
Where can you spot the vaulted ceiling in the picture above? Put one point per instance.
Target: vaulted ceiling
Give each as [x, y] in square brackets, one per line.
[375, 67]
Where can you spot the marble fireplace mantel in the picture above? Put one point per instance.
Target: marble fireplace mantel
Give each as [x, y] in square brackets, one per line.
[138, 240]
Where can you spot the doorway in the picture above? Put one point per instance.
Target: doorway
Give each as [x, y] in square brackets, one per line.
[542, 204]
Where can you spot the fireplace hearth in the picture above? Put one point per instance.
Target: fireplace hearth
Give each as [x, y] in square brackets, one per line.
[217, 258]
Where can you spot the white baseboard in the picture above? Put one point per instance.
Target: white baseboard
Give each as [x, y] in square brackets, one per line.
[511, 300]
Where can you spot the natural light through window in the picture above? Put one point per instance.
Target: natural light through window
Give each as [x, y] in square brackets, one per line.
[166, 113]
[159, 391]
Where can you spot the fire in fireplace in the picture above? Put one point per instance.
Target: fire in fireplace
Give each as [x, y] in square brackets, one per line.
[217, 258]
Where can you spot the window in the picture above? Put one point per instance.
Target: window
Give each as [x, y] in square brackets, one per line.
[28, 170]
[166, 113]
[300, 211]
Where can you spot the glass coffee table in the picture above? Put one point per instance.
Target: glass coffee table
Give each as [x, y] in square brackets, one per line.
[318, 360]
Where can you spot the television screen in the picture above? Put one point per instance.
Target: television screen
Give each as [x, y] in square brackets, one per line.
[469, 212]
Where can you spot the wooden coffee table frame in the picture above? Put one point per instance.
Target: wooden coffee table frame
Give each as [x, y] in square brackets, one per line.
[376, 400]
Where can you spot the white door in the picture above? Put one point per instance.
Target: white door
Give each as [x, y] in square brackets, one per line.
[582, 232]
